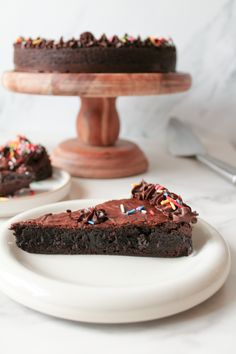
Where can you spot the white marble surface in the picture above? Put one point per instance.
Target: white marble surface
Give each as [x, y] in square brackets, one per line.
[208, 328]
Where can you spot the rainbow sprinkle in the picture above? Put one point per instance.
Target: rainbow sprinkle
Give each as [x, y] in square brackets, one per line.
[173, 206]
[122, 208]
[130, 212]
[174, 201]
[165, 201]
[140, 208]
[37, 41]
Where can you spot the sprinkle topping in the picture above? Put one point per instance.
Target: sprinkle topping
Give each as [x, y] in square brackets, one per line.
[87, 39]
[17, 152]
[167, 202]
[122, 208]
[130, 212]
[140, 208]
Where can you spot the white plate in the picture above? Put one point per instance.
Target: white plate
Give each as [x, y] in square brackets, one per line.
[47, 191]
[111, 289]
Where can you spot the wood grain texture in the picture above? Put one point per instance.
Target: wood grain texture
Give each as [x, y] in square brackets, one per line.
[121, 160]
[97, 153]
[98, 121]
[96, 85]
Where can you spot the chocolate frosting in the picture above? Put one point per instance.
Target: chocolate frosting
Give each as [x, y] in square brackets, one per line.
[87, 39]
[169, 203]
[145, 207]
[113, 216]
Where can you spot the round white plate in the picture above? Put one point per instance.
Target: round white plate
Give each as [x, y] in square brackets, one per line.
[47, 191]
[111, 289]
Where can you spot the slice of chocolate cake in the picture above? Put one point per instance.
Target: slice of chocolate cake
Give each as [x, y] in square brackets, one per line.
[153, 223]
[11, 182]
[21, 155]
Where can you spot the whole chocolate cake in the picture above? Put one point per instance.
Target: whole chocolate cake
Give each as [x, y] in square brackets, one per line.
[90, 55]
[154, 222]
[22, 162]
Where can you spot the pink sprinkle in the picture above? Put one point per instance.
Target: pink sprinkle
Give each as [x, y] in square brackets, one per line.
[151, 212]
[131, 39]
[174, 202]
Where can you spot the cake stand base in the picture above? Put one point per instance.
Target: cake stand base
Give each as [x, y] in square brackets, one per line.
[120, 160]
[97, 152]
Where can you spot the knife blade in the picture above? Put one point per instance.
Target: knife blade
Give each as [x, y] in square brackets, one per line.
[182, 142]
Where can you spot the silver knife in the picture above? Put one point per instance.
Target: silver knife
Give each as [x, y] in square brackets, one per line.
[181, 141]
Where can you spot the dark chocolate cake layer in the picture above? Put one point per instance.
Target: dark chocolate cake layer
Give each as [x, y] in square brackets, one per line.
[11, 182]
[144, 225]
[88, 54]
[96, 60]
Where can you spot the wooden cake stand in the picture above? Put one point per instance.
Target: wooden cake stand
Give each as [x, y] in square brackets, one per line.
[97, 152]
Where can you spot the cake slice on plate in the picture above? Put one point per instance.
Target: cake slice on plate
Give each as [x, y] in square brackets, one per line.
[11, 181]
[154, 222]
[22, 155]
[22, 162]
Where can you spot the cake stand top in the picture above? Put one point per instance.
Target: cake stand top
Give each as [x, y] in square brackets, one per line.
[96, 85]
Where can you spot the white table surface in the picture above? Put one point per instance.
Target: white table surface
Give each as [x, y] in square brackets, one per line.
[207, 328]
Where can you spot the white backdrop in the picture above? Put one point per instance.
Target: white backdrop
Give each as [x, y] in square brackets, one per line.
[204, 32]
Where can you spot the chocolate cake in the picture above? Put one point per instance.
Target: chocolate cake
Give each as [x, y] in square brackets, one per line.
[11, 182]
[22, 162]
[90, 55]
[154, 222]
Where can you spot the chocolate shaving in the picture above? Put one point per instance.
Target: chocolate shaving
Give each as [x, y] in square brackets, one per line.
[44, 217]
[92, 216]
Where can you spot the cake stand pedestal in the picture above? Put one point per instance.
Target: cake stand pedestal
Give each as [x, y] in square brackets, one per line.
[97, 152]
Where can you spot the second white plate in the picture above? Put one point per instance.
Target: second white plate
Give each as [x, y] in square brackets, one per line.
[111, 289]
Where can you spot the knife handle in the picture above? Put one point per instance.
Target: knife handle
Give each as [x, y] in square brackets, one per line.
[224, 169]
